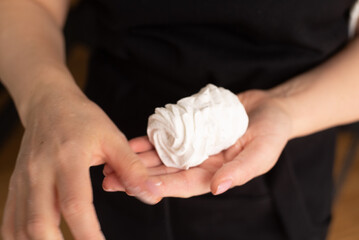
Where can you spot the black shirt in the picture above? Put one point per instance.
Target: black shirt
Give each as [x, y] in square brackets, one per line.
[152, 52]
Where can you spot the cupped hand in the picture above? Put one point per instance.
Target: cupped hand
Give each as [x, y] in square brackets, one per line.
[64, 136]
[252, 155]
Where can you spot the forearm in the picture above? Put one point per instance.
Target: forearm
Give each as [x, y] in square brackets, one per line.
[324, 97]
[32, 59]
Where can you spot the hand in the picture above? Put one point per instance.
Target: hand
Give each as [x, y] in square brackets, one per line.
[252, 155]
[64, 136]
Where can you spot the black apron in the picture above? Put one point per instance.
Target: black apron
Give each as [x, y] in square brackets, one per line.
[152, 52]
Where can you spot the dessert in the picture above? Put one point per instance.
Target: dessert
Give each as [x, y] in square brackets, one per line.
[187, 133]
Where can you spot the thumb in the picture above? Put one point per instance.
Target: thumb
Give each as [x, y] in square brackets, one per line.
[130, 171]
[255, 159]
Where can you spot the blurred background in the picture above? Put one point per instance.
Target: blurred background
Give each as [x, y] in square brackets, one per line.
[79, 39]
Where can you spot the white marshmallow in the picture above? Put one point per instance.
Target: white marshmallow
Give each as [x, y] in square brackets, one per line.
[187, 133]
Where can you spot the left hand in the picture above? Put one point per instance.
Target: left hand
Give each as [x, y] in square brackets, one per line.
[254, 154]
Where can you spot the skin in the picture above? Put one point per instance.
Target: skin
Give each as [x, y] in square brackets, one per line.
[66, 133]
[252, 155]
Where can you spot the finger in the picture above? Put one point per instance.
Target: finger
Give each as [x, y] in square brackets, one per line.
[8, 228]
[42, 216]
[255, 159]
[20, 209]
[140, 144]
[235, 149]
[184, 184]
[130, 170]
[107, 170]
[161, 170]
[75, 199]
[150, 158]
[111, 184]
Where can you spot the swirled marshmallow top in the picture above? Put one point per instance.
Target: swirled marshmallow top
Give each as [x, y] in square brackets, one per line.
[187, 133]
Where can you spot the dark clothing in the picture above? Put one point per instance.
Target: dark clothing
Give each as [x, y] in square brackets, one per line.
[150, 53]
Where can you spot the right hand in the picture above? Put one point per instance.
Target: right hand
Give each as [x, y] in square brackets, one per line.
[64, 135]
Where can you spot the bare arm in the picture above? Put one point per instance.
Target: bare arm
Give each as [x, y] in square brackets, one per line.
[324, 97]
[65, 133]
[32, 50]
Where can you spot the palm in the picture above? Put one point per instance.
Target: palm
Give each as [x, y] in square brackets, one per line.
[253, 154]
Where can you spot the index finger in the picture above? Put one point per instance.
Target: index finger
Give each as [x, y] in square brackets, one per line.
[140, 144]
[75, 196]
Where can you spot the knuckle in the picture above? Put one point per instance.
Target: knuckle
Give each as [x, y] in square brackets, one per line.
[13, 183]
[65, 164]
[132, 167]
[36, 228]
[61, 164]
[67, 152]
[32, 170]
[68, 145]
[94, 234]
[239, 144]
[187, 184]
[132, 161]
[5, 232]
[16, 184]
[20, 235]
[121, 137]
[72, 206]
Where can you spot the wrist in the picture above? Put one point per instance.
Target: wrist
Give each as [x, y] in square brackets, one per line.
[284, 102]
[296, 99]
[48, 95]
[273, 106]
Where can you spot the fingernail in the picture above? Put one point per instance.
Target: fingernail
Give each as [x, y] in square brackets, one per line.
[153, 186]
[148, 197]
[149, 193]
[224, 186]
[152, 194]
[108, 189]
[130, 194]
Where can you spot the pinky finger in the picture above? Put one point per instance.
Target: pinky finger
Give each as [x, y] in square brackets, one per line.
[76, 204]
[112, 184]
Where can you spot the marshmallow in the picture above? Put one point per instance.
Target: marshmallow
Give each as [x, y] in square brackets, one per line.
[187, 133]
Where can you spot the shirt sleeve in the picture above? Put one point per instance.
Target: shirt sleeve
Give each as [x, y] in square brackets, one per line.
[353, 21]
